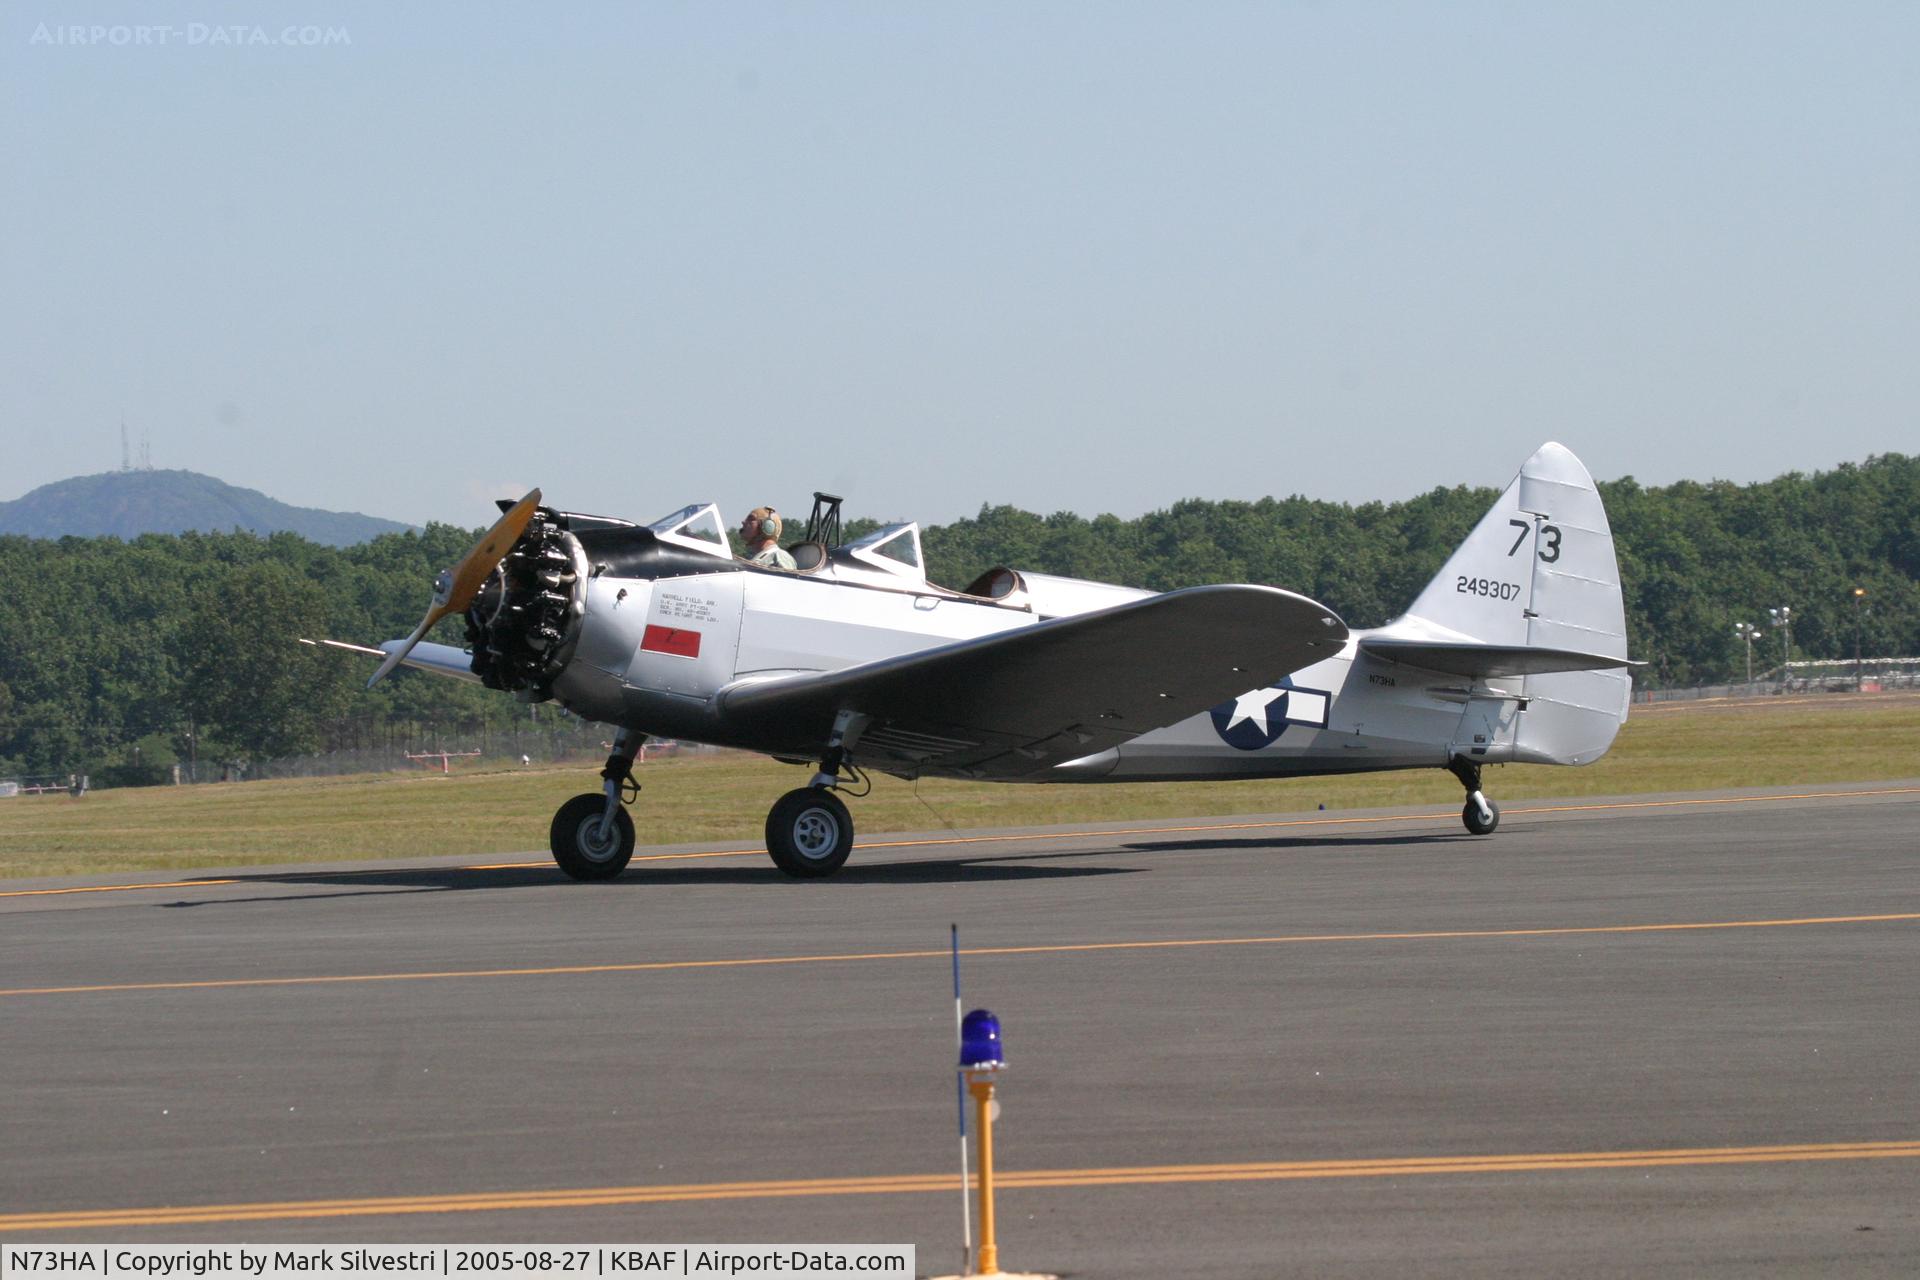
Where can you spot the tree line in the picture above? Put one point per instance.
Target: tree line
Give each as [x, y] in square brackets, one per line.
[121, 659]
[1694, 558]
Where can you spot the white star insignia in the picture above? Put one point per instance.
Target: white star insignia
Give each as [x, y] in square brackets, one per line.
[1252, 708]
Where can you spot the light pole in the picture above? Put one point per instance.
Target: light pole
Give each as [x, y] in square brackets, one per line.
[1859, 595]
[1747, 631]
[1783, 618]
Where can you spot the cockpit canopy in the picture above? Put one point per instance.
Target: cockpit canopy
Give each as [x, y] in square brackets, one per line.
[894, 549]
[697, 527]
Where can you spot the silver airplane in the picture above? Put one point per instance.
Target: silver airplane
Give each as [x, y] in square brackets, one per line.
[1515, 652]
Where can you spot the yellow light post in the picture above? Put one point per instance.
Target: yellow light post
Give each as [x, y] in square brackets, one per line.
[980, 1085]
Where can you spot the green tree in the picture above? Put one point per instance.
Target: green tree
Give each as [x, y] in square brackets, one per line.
[247, 678]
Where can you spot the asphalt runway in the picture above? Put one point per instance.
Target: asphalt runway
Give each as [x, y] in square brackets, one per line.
[1655, 1035]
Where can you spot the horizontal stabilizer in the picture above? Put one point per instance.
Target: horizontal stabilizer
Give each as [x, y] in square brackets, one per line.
[1483, 660]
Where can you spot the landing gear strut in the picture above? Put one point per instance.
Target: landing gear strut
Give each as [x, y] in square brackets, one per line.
[592, 835]
[809, 831]
[1481, 815]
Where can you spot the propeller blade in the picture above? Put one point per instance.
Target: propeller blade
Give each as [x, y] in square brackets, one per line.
[455, 588]
[493, 546]
[396, 656]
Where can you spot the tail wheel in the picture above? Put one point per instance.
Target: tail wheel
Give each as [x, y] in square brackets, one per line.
[809, 833]
[585, 847]
[1477, 822]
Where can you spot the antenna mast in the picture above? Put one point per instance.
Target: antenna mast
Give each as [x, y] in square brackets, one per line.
[126, 454]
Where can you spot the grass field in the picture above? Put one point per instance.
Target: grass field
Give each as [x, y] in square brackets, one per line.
[1664, 747]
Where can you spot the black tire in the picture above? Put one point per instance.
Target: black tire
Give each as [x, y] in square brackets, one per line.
[1471, 817]
[579, 845]
[809, 833]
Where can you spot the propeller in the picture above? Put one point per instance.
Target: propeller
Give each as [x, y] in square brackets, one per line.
[454, 589]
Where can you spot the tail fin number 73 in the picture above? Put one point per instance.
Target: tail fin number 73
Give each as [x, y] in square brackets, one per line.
[1550, 532]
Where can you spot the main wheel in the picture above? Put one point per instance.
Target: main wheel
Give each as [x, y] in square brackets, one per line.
[809, 833]
[585, 851]
[1475, 823]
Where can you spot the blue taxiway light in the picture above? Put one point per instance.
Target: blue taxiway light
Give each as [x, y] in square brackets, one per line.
[980, 1042]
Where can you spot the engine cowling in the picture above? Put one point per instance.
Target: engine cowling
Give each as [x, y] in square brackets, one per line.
[524, 622]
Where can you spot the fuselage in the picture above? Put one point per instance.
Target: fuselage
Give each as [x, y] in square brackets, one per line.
[663, 628]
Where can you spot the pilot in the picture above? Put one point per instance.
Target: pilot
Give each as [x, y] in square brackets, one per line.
[760, 530]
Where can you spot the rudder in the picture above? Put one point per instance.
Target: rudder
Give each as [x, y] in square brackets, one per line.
[1572, 716]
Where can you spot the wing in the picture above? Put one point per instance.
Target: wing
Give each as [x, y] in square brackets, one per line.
[1014, 704]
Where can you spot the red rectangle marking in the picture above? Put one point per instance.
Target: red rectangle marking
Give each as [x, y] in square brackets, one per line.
[681, 644]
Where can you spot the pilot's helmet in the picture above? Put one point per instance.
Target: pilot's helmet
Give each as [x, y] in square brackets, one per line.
[764, 522]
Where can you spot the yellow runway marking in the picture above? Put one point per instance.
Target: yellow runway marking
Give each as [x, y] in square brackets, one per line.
[112, 888]
[1053, 948]
[932, 841]
[1144, 1175]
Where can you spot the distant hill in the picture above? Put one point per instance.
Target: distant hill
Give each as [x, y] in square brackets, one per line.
[126, 504]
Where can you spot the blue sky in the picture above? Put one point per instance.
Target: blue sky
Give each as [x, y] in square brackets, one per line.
[1069, 256]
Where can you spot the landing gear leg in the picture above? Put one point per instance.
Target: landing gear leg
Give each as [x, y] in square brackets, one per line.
[809, 831]
[1481, 815]
[592, 835]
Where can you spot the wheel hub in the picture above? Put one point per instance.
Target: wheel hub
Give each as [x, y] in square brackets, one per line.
[596, 840]
[815, 833]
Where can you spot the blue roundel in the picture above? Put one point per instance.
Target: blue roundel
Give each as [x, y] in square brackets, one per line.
[1253, 720]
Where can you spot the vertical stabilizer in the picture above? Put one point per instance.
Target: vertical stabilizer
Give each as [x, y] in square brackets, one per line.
[1537, 571]
[1485, 589]
[1533, 595]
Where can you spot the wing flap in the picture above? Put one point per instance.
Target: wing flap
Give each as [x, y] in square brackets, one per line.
[1016, 703]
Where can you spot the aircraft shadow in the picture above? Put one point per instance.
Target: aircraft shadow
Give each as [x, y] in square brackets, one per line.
[941, 871]
[1292, 842]
[642, 876]
[382, 883]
